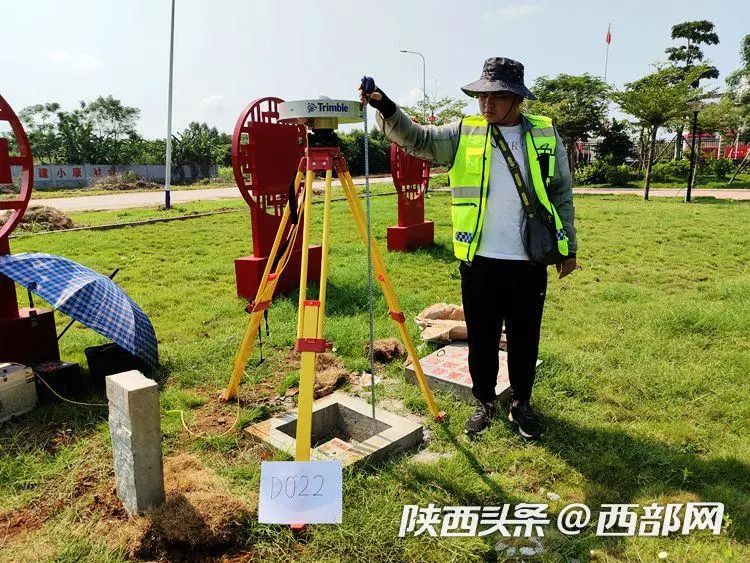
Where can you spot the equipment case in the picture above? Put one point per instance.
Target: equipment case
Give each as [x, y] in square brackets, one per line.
[17, 390]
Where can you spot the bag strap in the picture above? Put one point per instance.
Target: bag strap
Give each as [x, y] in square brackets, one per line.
[515, 171]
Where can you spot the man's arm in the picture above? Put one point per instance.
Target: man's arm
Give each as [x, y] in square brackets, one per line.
[436, 144]
[560, 192]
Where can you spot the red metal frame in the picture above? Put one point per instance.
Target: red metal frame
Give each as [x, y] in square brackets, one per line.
[27, 336]
[411, 176]
[18, 205]
[265, 156]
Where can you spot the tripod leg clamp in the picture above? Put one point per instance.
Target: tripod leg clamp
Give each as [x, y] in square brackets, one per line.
[254, 307]
[398, 317]
[318, 345]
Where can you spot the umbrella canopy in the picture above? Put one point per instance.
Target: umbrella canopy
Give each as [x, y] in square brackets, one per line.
[87, 296]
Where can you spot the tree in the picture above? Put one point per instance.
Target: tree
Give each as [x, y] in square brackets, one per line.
[616, 146]
[444, 110]
[738, 86]
[685, 57]
[722, 117]
[352, 146]
[148, 151]
[577, 105]
[78, 144]
[199, 146]
[113, 123]
[695, 33]
[657, 99]
[40, 122]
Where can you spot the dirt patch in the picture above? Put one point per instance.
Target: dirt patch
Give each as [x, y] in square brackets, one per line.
[22, 521]
[198, 520]
[330, 373]
[123, 182]
[386, 350]
[42, 218]
[54, 497]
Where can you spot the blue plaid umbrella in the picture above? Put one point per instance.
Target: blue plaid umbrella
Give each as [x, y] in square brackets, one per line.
[88, 297]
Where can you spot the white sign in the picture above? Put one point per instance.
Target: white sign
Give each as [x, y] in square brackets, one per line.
[300, 492]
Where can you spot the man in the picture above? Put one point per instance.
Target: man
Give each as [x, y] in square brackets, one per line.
[499, 283]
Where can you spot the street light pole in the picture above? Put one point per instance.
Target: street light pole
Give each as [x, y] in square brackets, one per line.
[424, 84]
[168, 171]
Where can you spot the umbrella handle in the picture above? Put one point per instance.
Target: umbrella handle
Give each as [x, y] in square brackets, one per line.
[70, 324]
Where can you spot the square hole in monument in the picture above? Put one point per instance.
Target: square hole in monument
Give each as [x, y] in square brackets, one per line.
[338, 421]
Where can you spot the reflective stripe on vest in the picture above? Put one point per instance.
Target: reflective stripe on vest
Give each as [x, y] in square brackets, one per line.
[469, 180]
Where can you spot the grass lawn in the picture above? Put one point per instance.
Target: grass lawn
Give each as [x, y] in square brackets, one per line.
[644, 388]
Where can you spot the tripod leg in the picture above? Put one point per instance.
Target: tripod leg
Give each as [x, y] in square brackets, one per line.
[325, 249]
[262, 298]
[310, 340]
[309, 176]
[303, 435]
[385, 283]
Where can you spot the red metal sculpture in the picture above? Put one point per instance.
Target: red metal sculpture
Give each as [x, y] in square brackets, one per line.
[27, 335]
[410, 176]
[265, 155]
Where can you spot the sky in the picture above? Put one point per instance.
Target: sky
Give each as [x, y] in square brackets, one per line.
[229, 52]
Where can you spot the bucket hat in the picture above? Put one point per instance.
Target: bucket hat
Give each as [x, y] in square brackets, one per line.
[500, 75]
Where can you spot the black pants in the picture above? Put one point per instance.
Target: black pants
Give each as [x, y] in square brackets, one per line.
[495, 291]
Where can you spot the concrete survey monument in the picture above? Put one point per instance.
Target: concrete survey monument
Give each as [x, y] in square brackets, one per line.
[343, 430]
[134, 425]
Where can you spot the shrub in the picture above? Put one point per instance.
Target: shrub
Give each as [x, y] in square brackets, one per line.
[439, 181]
[620, 174]
[720, 167]
[590, 174]
[602, 172]
[226, 174]
[673, 169]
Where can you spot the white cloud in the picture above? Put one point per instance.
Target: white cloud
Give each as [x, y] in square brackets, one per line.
[213, 101]
[80, 61]
[511, 12]
[412, 97]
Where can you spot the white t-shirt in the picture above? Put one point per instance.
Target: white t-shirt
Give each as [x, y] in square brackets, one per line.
[501, 230]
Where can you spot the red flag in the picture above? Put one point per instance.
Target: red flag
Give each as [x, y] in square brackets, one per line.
[609, 36]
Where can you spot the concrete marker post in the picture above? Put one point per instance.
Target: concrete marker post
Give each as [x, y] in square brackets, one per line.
[134, 425]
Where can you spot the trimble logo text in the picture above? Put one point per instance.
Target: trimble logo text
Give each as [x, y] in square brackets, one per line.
[324, 106]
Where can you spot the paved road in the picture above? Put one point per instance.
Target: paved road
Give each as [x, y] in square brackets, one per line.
[153, 199]
[125, 200]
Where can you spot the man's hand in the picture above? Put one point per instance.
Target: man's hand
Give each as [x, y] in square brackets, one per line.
[368, 92]
[374, 96]
[566, 267]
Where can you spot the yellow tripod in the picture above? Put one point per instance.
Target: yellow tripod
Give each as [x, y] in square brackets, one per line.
[310, 319]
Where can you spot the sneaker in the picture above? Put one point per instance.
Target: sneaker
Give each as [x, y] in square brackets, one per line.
[480, 420]
[528, 423]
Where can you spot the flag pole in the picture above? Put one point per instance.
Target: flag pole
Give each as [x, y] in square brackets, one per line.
[606, 58]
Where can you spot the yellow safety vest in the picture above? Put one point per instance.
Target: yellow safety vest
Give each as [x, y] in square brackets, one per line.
[470, 176]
